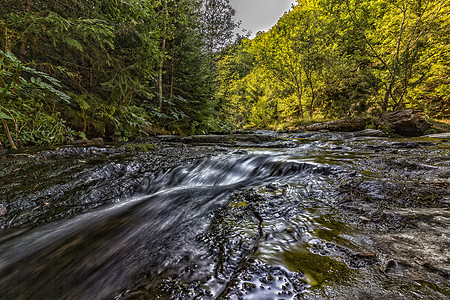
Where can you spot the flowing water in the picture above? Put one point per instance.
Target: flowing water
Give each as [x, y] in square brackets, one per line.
[251, 223]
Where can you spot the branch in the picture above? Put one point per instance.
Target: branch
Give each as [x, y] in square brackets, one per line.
[353, 17]
[15, 123]
[400, 34]
[424, 30]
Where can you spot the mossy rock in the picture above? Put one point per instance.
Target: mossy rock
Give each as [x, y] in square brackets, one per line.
[406, 122]
[353, 124]
[135, 148]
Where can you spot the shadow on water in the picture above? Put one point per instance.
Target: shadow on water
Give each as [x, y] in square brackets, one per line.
[255, 224]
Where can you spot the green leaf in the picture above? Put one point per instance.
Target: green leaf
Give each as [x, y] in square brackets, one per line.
[5, 116]
[73, 43]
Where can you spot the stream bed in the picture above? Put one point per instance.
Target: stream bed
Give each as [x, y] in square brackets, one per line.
[257, 216]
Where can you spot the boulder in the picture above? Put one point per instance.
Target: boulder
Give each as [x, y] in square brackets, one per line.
[406, 122]
[339, 125]
[369, 133]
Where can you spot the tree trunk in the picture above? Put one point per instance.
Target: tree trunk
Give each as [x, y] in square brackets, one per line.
[28, 5]
[27, 8]
[300, 105]
[313, 96]
[8, 135]
[4, 38]
[299, 97]
[172, 74]
[160, 76]
[91, 79]
[388, 93]
[161, 64]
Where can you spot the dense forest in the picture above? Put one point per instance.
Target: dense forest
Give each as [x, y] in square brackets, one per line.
[112, 68]
[120, 69]
[337, 58]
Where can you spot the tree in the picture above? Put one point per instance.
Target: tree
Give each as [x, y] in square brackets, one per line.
[218, 24]
[309, 42]
[235, 64]
[431, 81]
[396, 32]
[276, 52]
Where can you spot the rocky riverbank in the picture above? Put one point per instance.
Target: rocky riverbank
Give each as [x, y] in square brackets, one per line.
[409, 123]
[308, 214]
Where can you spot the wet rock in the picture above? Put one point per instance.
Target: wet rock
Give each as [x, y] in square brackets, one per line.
[82, 143]
[445, 174]
[143, 147]
[369, 133]
[271, 187]
[339, 125]
[76, 179]
[445, 135]
[405, 145]
[95, 141]
[240, 152]
[219, 140]
[98, 141]
[220, 149]
[379, 204]
[337, 237]
[406, 122]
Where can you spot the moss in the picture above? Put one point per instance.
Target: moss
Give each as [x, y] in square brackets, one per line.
[317, 269]
[331, 230]
[135, 148]
[429, 285]
[243, 203]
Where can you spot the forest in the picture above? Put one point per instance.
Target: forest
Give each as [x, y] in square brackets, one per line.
[121, 69]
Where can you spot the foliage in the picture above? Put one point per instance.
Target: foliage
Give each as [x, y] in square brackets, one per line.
[126, 68]
[218, 24]
[340, 58]
[131, 68]
[24, 93]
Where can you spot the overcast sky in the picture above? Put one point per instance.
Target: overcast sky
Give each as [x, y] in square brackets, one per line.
[260, 15]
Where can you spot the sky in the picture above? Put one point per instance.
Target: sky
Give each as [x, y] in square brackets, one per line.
[260, 15]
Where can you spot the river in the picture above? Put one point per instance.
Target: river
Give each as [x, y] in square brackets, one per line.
[295, 216]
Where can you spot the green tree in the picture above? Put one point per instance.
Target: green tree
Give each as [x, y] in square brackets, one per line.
[218, 24]
[396, 32]
[431, 88]
[277, 53]
[235, 64]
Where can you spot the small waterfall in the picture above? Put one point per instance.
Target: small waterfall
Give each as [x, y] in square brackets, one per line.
[99, 253]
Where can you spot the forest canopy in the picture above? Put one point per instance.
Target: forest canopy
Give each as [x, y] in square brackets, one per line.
[336, 58]
[120, 69]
